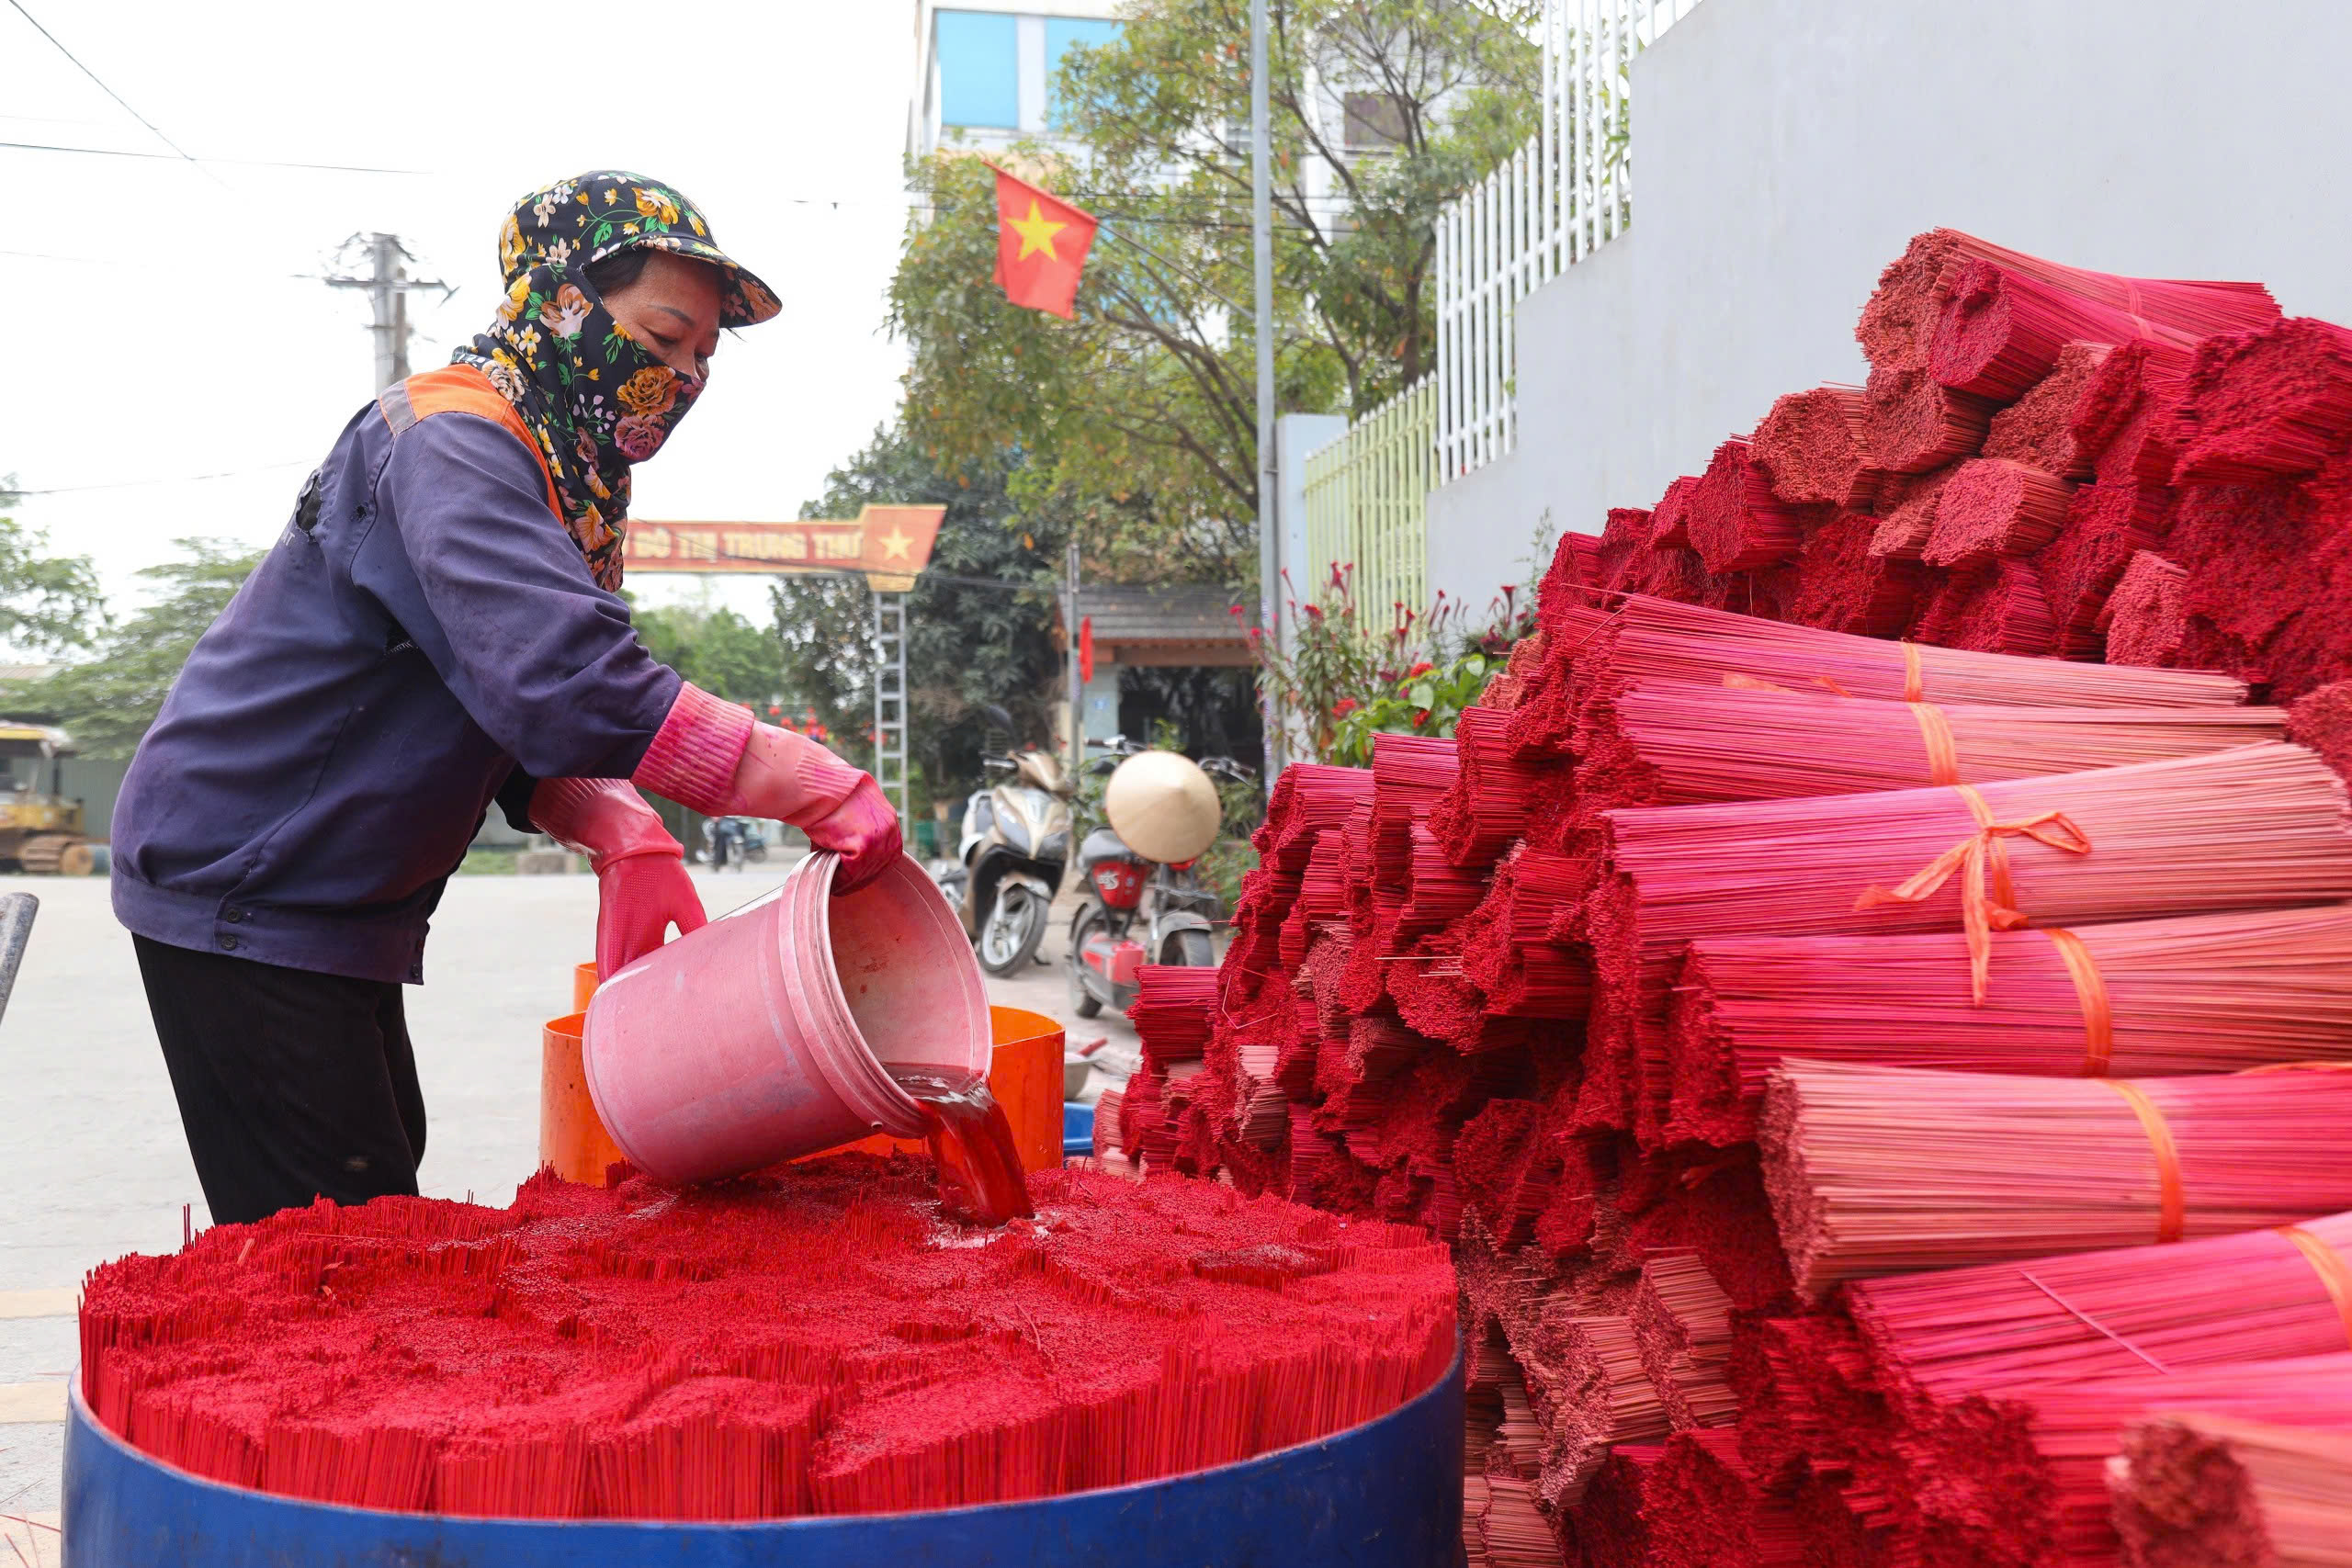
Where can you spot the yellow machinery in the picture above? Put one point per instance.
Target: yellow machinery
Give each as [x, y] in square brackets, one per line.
[40, 830]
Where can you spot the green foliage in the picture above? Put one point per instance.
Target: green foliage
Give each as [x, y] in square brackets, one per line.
[1425, 700]
[109, 703]
[986, 639]
[718, 651]
[48, 603]
[1137, 420]
[1346, 680]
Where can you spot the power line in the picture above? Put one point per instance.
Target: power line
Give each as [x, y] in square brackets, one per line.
[109, 92]
[181, 480]
[245, 163]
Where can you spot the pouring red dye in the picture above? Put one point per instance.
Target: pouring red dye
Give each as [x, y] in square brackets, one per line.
[981, 1180]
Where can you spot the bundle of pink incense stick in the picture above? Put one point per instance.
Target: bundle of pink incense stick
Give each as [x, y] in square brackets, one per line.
[2204, 1488]
[2140, 998]
[1635, 639]
[1884, 1171]
[1703, 743]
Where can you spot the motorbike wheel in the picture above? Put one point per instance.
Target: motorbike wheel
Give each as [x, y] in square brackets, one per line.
[1015, 925]
[1191, 948]
[1083, 1002]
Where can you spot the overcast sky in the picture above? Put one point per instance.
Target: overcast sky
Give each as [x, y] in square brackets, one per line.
[162, 327]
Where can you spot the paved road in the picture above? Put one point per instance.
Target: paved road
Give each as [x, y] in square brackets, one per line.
[94, 1166]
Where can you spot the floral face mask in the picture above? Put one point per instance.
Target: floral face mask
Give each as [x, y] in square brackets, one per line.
[596, 400]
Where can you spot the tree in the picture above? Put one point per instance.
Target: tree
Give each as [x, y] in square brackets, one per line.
[979, 621]
[1137, 420]
[109, 702]
[717, 650]
[48, 603]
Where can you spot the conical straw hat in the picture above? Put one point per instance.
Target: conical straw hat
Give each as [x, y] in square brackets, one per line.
[1163, 805]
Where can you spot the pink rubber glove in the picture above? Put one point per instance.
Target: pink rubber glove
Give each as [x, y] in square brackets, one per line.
[711, 756]
[642, 888]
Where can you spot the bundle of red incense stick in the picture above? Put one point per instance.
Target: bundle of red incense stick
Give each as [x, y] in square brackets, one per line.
[2206, 1488]
[726, 1353]
[1882, 1171]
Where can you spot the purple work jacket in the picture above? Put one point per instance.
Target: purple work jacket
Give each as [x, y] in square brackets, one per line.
[423, 637]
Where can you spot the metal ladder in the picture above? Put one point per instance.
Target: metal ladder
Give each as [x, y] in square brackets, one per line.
[890, 700]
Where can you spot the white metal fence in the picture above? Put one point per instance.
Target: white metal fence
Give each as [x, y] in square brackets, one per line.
[1367, 503]
[1564, 195]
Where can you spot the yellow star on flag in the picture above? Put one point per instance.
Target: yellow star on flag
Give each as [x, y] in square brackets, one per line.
[894, 544]
[1036, 232]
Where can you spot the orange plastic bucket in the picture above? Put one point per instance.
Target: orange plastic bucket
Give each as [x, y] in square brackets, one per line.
[571, 1139]
[1024, 1077]
[583, 985]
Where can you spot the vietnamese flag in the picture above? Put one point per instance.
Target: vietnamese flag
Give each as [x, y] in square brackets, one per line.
[1041, 247]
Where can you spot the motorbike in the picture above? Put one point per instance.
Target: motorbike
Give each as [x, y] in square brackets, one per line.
[1009, 866]
[736, 839]
[1135, 911]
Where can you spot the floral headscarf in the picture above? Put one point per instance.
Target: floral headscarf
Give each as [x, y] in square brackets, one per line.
[596, 398]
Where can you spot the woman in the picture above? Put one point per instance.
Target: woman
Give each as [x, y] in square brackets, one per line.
[437, 628]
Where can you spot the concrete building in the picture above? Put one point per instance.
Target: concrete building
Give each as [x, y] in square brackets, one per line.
[984, 69]
[1785, 150]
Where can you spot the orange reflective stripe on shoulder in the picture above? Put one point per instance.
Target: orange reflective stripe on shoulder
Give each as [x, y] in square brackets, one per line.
[462, 388]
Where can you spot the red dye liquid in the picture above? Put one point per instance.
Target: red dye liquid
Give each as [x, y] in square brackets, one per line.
[980, 1179]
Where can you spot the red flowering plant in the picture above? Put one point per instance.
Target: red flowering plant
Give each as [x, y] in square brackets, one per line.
[1345, 680]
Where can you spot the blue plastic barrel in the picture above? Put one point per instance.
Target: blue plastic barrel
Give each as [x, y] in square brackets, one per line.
[1077, 1129]
[1384, 1494]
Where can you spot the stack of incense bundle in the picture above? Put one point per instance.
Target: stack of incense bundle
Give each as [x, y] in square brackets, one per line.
[2144, 999]
[2213, 1489]
[726, 1353]
[1787, 772]
[1884, 1170]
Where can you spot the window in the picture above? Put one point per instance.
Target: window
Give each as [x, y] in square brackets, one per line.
[1375, 121]
[980, 69]
[1061, 32]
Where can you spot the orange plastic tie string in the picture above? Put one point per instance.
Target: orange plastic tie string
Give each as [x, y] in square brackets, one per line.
[2090, 990]
[2172, 1207]
[2329, 1263]
[1944, 751]
[1915, 687]
[1982, 913]
[2294, 1067]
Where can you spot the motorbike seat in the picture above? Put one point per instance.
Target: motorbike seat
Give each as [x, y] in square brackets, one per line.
[1100, 845]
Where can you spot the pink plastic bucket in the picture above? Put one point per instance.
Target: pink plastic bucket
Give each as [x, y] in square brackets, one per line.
[772, 1030]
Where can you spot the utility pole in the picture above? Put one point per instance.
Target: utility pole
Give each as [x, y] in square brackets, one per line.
[388, 287]
[1077, 688]
[1261, 229]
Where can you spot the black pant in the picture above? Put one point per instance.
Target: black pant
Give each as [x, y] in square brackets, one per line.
[293, 1084]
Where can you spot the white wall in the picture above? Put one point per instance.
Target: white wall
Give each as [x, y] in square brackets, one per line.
[1786, 149]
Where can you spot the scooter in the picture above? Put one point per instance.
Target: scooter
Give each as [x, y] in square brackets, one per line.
[1135, 911]
[1015, 846]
